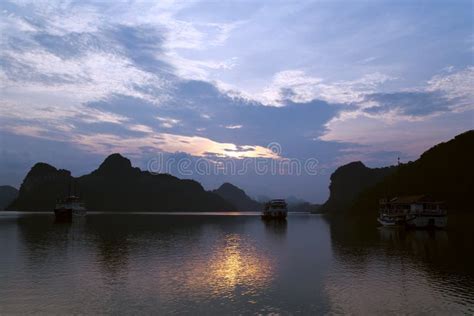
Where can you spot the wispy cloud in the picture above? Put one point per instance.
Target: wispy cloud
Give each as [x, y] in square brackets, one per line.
[233, 126]
[458, 87]
[299, 87]
[193, 69]
[167, 122]
[408, 120]
[171, 143]
[91, 77]
[141, 128]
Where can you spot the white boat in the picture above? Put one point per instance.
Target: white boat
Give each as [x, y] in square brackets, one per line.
[275, 209]
[68, 207]
[416, 211]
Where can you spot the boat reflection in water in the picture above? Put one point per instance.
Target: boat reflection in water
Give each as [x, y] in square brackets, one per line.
[386, 270]
[276, 228]
[417, 211]
[69, 207]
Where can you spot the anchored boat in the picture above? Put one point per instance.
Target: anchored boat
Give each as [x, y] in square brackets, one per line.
[68, 207]
[275, 209]
[416, 211]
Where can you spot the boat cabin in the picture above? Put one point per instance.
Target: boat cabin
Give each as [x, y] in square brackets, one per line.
[412, 204]
[413, 210]
[275, 209]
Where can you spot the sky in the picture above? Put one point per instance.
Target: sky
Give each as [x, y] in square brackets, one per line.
[214, 90]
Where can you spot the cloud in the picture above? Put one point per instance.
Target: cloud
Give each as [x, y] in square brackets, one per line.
[406, 122]
[55, 117]
[452, 92]
[401, 135]
[458, 87]
[93, 76]
[171, 143]
[197, 69]
[178, 36]
[141, 128]
[90, 115]
[196, 35]
[58, 18]
[83, 53]
[416, 104]
[233, 126]
[367, 60]
[299, 87]
[167, 122]
[32, 131]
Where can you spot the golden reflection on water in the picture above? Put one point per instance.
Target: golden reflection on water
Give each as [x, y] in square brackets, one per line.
[234, 263]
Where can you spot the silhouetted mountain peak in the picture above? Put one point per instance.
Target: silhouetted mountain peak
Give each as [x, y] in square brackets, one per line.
[115, 163]
[356, 189]
[349, 180]
[355, 165]
[465, 139]
[358, 164]
[42, 169]
[229, 186]
[237, 197]
[115, 186]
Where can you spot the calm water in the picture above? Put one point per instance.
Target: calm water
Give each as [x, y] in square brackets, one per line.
[208, 264]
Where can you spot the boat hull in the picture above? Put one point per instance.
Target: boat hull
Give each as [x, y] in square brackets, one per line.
[274, 216]
[418, 222]
[417, 211]
[390, 223]
[433, 222]
[79, 212]
[63, 214]
[68, 214]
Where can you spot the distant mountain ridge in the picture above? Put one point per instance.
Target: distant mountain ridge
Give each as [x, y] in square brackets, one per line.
[115, 186]
[237, 197]
[7, 195]
[444, 172]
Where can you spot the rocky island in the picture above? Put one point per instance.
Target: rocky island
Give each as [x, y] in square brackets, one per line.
[445, 172]
[116, 186]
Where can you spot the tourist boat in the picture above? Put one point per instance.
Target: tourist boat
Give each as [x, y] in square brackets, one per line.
[69, 207]
[275, 209]
[416, 211]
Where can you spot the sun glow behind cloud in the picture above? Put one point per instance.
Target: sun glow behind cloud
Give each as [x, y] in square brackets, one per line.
[162, 142]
